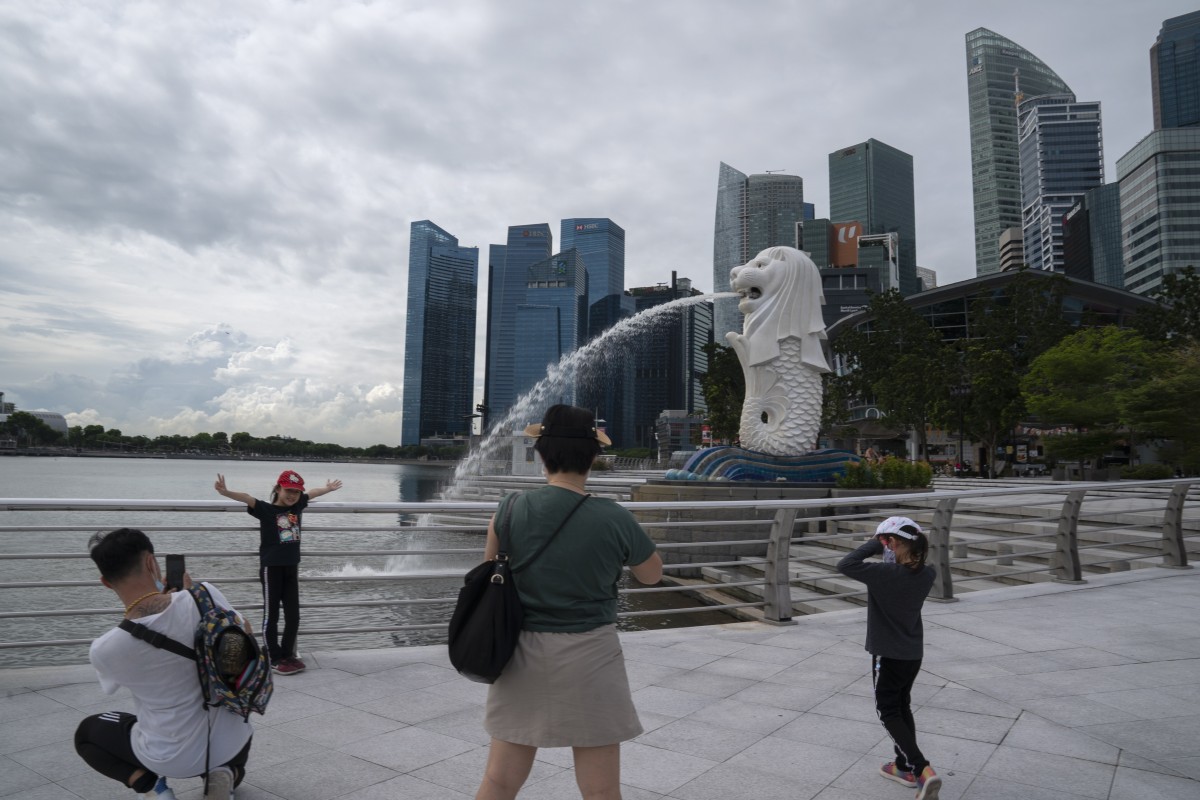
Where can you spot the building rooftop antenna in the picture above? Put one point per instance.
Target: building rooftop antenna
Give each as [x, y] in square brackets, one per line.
[773, 171]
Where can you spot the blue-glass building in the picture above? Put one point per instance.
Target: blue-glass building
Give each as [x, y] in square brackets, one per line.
[1092, 237]
[508, 273]
[439, 343]
[551, 322]
[992, 61]
[669, 362]
[1175, 73]
[601, 244]
[753, 213]
[1062, 157]
[872, 183]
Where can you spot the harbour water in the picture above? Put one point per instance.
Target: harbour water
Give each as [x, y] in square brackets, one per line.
[360, 577]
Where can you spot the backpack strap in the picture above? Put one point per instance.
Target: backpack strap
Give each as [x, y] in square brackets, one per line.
[159, 640]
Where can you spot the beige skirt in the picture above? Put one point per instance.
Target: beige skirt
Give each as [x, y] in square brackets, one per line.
[563, 690]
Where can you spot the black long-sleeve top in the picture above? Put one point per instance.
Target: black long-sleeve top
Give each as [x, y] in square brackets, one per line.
[895, 594]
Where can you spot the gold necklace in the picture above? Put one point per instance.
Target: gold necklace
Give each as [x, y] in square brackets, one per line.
[132, 605]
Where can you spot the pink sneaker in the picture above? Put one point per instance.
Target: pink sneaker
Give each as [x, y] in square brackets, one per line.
[891, 771]
[928, 784]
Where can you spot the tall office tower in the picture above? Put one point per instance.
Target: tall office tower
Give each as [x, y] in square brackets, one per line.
[1092, 237]
[669, 364]
[872, 183]
[1012, 249]
[1157, 202]
[992, 61]
[439, 342]
[1062, 156]
[753, 213]
[508, 273]
[1175, 73]
[601, 243]
[550, 323]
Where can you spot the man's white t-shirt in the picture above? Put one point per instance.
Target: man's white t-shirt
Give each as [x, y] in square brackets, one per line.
[171, 734]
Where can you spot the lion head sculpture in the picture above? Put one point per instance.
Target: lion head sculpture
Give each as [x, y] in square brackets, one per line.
[781, 297]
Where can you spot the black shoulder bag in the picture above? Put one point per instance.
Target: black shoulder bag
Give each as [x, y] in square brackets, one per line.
[488, 615]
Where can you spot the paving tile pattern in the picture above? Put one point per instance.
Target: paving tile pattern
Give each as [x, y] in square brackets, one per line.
[1044, 691]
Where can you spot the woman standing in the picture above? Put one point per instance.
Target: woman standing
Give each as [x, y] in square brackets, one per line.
[896, 591]
[566, 684]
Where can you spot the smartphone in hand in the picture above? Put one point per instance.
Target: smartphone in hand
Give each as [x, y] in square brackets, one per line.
[174, 579]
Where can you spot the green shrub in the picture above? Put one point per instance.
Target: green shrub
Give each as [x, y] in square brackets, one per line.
[892, 473]
[1147, 472]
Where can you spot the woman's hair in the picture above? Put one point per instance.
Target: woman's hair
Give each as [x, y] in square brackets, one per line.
[918, 547]
[568, 442]
[274, 493]
[118, 553]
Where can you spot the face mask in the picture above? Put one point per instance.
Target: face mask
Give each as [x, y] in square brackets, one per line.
[159, 584]
[889, 556]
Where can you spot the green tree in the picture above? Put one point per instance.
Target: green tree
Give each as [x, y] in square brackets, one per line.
[1176, 317]
[1078, 382]
[24, 426]
[724, 388]
[900, 361]
[1009, 329]
[1164, 406]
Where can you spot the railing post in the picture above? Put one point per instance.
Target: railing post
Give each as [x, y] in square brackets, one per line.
[1174, 548]
[778, 589]
[1065, 560]
[939, 550]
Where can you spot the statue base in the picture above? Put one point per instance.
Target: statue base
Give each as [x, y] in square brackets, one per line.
[739, 464]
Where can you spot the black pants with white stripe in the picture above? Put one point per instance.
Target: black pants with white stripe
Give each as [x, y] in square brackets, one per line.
[281, 588]
[104, 742]
[894, 679]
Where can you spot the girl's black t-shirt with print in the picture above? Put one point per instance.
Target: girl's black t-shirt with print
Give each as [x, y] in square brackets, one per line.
[279, 531]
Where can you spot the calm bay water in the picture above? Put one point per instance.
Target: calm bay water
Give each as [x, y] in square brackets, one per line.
[179, 479]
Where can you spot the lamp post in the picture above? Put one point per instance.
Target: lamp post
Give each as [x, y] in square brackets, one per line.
[961, 392]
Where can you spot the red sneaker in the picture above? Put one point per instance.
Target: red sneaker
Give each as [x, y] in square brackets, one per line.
[288, 666]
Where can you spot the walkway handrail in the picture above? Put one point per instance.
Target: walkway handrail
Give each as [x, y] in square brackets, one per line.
[766, 575]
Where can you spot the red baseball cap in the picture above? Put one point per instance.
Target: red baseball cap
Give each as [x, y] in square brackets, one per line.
[290, 480]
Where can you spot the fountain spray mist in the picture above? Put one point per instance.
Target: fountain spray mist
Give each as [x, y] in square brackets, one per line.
[602, 354]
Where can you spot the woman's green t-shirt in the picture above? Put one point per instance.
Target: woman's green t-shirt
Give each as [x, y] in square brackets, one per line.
[572, 586]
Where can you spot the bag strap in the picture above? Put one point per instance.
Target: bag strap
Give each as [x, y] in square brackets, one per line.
[159, 640]
[545, 544]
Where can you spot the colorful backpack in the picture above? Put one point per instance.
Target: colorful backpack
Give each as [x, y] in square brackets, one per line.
[235, 673]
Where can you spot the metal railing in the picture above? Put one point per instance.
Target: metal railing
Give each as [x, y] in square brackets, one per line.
[989, 536]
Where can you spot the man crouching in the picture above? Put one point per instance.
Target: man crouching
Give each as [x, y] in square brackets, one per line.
[171, 734]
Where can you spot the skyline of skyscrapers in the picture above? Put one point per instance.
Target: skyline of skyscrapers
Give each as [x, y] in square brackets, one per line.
[753, 213]
[994, 65]
[439, 344]
[872, 182]
[1062, 156]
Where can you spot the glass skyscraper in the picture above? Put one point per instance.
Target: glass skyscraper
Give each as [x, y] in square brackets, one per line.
[1062, 157]
[1092, 237]
[439, 342]
[1175, 73]
[601, 244]
[994, 65]
[753, 213]
[508, 273]
[551, 322]
[1159, 206]
[872, 183]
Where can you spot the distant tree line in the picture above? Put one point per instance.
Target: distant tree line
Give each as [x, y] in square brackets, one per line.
[29, 431]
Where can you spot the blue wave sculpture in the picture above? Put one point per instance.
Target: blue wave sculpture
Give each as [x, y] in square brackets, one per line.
[739, 464]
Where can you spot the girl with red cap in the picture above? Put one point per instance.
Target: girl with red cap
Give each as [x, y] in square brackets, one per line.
[279, 560]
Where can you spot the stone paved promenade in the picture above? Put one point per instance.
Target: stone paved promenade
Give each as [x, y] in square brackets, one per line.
[1035, 692]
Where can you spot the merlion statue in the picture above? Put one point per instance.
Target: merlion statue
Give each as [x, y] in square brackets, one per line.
[781, 350]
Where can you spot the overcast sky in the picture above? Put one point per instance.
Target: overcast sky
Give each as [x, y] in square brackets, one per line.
[204, 207]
